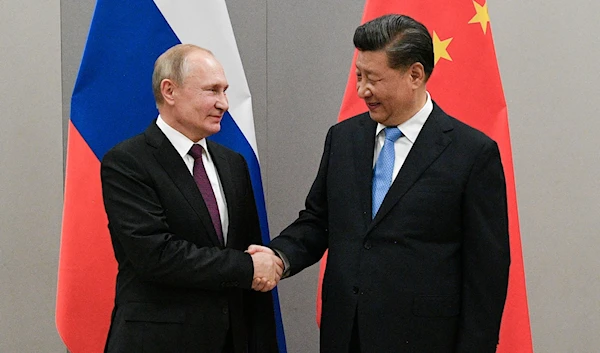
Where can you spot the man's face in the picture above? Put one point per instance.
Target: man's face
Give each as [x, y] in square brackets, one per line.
[389, 93]
[200, 102]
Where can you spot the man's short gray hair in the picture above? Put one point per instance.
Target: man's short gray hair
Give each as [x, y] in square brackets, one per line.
[172, 64]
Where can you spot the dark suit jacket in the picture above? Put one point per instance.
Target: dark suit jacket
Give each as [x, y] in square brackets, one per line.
[177, 289]
[429, 274]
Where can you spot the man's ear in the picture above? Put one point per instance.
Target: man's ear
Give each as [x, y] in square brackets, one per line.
[417, 74]
[167, 89]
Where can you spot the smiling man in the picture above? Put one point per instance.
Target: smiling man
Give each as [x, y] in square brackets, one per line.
[411, 204]
[181, 212]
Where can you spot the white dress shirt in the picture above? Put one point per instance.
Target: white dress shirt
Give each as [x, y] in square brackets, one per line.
[183, 145]
[410, 130]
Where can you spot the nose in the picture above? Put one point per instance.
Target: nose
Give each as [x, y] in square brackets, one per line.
[363, 90]
[222, 102]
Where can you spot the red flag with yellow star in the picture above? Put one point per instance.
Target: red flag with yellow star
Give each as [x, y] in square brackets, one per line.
[466, 84]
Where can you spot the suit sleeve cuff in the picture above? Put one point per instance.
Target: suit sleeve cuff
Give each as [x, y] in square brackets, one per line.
[286, 263]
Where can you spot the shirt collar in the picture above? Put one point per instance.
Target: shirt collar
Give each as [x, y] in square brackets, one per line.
[181, 143]
[412, 127]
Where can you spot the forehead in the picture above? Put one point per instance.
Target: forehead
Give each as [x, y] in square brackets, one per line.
[203, 66]
[372, 61]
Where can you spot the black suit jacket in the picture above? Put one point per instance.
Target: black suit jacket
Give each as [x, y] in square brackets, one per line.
[178, 289]
[429, 273]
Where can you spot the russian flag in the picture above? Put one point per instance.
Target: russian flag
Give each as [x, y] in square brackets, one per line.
[113, 90]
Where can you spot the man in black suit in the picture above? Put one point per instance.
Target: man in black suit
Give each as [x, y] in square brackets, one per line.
[181, 212]
[411, 204]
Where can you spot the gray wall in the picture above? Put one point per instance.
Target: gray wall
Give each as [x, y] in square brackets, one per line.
[297, 56]
[31, 174]
[309, 53]
[547, 52]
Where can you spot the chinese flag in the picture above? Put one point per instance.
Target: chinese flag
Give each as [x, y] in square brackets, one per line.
[466, 84]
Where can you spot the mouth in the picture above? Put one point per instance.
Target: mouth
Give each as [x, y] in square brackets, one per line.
[373, 106]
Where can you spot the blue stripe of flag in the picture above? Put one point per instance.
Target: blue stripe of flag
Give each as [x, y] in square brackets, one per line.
[112, 99]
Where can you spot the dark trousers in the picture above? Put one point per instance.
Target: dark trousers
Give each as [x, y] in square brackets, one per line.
[355, 338]
[229, 343]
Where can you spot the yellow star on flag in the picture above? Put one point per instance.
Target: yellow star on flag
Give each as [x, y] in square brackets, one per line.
[440, 48]
[482, 17]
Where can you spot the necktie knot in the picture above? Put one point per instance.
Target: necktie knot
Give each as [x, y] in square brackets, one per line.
[392, 133]
[196, 151]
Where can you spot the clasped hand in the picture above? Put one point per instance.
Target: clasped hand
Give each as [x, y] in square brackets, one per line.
[268, 268]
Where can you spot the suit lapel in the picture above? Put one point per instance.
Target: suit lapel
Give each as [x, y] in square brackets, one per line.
[363, 146]
[430, 143]
[171, 162]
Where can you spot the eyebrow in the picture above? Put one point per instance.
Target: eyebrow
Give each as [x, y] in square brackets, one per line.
[371, 73]
[366, 71]
[215, 85]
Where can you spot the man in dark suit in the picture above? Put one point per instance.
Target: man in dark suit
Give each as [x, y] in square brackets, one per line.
[411, 204]
[181, 212]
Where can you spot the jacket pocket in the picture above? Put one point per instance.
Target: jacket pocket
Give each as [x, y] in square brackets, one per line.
[149, 312]
[436, 305]
[153, 328]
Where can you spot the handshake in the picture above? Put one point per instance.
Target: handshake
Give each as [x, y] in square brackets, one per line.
[268, 268]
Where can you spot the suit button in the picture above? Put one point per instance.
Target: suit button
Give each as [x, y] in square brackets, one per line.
[225, 310]
[355, 290]
[367, 244]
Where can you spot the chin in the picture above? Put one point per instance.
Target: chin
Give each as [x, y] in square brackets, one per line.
[215, 128]
[378, 118]
[209, 130]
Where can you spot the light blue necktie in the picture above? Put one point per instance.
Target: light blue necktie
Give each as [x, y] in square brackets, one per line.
[384, 168]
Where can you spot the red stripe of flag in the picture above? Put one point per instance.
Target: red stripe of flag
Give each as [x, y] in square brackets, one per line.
[86, 290]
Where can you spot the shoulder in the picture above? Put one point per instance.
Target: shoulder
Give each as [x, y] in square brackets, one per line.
[350, 127]
[458, 130]
[140, 144]
[354, 122]
[129, 147]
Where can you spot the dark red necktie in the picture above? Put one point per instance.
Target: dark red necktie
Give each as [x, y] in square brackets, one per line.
[206, 190]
